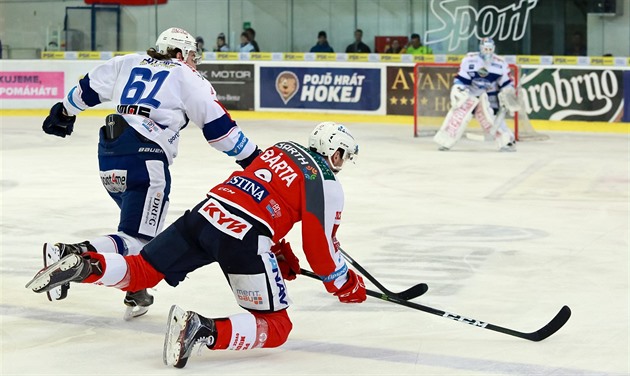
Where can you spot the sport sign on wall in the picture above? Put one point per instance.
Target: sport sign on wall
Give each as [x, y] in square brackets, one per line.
[458, 22]
[320, 88]
[573, 94]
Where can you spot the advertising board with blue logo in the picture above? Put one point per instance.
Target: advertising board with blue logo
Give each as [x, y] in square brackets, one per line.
[320, 88]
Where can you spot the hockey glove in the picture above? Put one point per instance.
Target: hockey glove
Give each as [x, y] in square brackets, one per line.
[247, 161]
[287, 262]
[353, 291]
[58, 124]
[459, 94]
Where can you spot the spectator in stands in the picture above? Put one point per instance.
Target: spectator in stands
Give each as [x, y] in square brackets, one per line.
[358, 46]
[200, 44]
[394, 48]
[246, 45]
[251, 33]
[221, 45]
[415, 47]
[577, 47]
[322, 43]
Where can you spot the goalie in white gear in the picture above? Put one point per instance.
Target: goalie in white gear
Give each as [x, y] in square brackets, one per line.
[157, 94]
[481, 87]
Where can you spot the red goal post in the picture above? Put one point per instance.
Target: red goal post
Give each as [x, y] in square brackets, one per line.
[432, 87]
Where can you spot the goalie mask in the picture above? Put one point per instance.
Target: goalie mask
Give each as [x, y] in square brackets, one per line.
[178, 38]
[486, 49]
[328, 137]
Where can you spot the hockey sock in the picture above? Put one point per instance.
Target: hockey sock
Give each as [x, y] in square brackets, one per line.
[249, 331]
[120, 243]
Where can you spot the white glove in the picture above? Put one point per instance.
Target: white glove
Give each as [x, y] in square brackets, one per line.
[508, 99]
[459, 93]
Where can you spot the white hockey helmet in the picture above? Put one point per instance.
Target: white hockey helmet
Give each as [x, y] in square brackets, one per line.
[328, 137]
[178, 38]
[486, 49]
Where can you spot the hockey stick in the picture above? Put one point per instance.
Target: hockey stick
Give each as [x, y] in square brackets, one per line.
[553, 326]
[410, 293]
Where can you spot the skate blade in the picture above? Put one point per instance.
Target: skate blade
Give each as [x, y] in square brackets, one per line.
[41, 282]
[50, 257]
[174, 326]
[133, 312]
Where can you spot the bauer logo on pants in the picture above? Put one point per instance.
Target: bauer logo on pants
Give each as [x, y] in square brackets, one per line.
[223, 220]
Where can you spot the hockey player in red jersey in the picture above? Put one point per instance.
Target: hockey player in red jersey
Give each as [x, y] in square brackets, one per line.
[237, 225]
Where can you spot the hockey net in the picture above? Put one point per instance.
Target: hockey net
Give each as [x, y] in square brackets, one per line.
[432, 87]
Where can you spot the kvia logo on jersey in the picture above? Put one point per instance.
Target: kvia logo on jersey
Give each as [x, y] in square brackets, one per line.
[115, 181]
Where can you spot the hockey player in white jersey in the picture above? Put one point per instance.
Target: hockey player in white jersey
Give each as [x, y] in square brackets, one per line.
[483, 89]
[157, 94]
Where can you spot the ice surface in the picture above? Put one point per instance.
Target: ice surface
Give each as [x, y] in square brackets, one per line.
[506, 238]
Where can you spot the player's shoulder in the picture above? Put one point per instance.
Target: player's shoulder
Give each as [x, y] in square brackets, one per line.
[470, 57]
[499, 59]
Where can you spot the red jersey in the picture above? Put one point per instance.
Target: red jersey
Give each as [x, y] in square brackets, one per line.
[286, 184]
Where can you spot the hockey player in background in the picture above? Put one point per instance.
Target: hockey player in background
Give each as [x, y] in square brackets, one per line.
[236, 225]
[157, 93]
[482, 87]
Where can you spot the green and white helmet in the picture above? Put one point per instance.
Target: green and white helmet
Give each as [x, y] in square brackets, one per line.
[178, 38]
[328, 137]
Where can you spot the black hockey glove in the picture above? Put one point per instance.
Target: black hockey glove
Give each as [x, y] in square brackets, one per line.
[247, 161]
[58, 124]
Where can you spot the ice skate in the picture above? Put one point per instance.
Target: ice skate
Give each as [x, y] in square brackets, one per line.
[137, 304]
[72, 268]
[511, 147]
[184, 331]
[54, 253]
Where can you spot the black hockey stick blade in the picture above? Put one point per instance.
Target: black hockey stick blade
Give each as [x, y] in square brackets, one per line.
[410, 293]
[414, 291]
[553, 326]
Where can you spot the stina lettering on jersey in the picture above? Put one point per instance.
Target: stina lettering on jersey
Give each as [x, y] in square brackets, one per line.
[223, 220]
[279, 166]
[252, 188]
[115, 181]
[275, 269]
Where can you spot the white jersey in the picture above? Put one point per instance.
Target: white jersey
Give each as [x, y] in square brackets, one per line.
[480, 77]
[158, 98]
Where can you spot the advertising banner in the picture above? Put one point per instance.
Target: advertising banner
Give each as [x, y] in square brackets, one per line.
[548, 93]
[320, 88]
[573, 94]
[31, 85]
[434, 85]
[234, 84]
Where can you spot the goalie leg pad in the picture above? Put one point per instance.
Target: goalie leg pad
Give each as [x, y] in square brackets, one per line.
[484, 114]
[455, 123]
